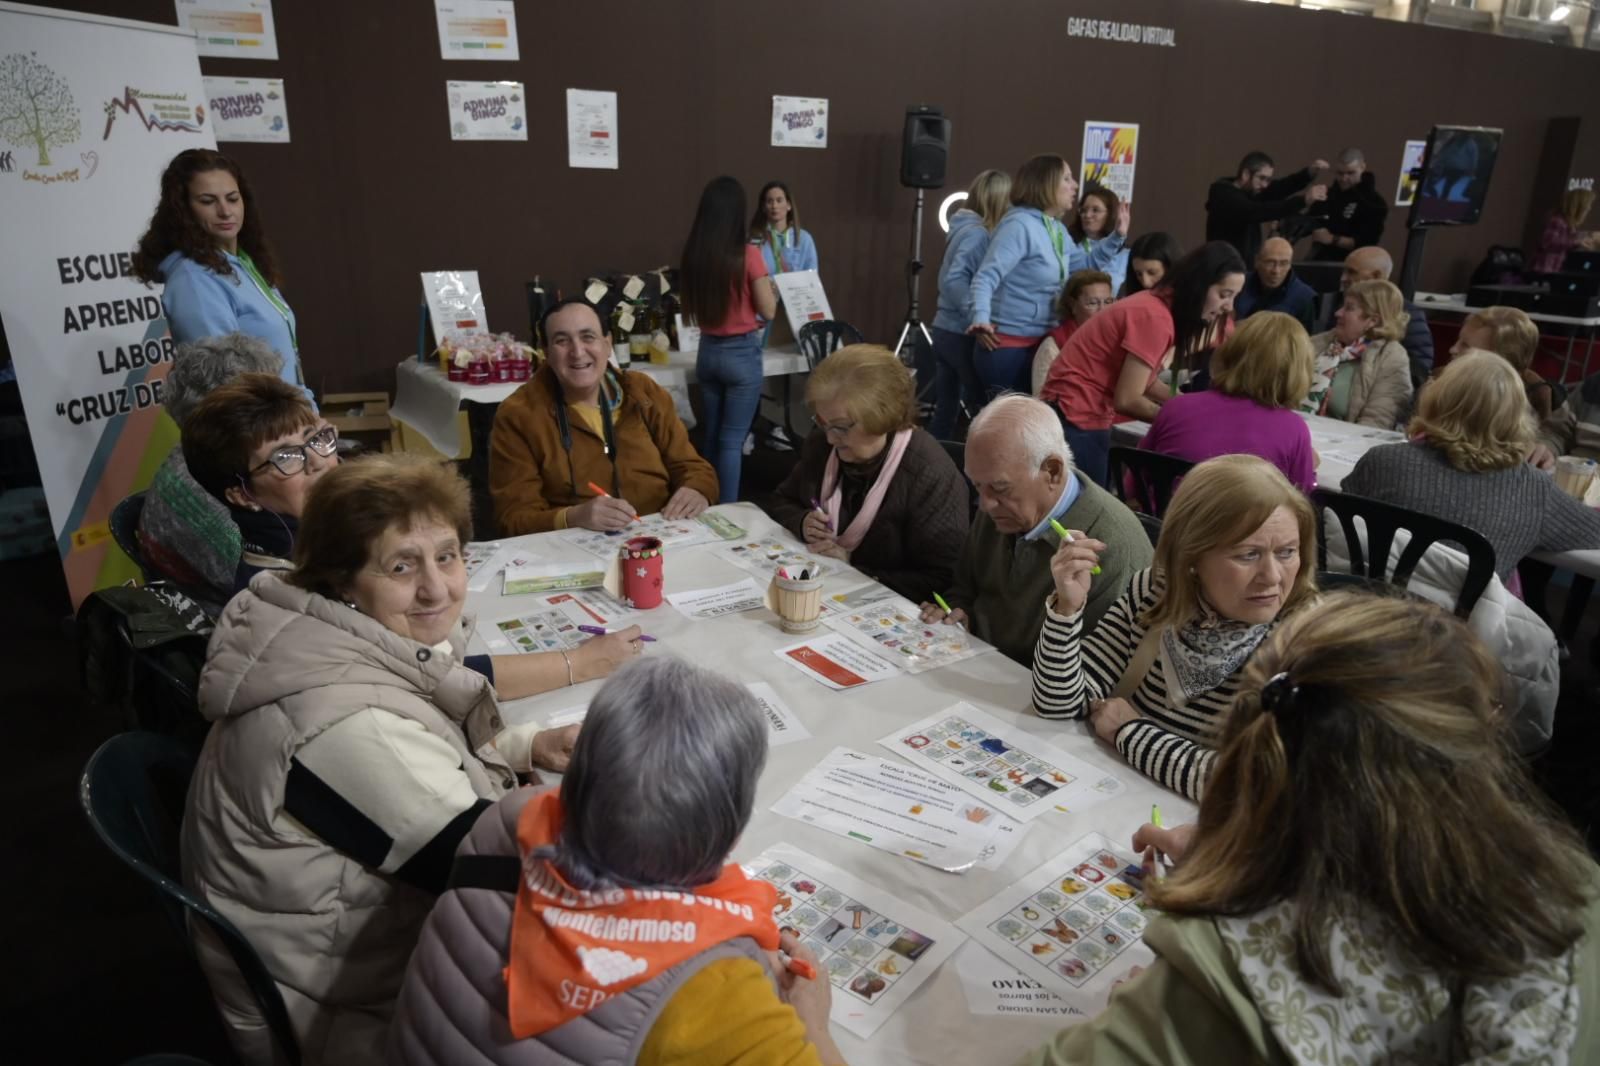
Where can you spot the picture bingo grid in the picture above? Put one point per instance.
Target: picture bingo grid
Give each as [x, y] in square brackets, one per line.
[546, 630]
[682, 533]
[1001, 764]
[1074, 924]
[475, 557]
[893, 628]
[764, 557]
[875, 949]
[857, 598]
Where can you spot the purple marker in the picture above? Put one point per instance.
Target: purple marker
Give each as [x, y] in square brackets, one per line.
[816, 505]
[602, 631]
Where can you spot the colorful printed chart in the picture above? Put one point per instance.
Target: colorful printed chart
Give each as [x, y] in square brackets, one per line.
[1074, 924]
[1000, 764]
[893, 628]
[875, 949]
[764, 558]
[534, 631]
[680, 533]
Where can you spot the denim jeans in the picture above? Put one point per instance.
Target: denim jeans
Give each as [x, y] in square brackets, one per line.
[1091, 451]
[955, 382]
[1005, 369]
[729, 372]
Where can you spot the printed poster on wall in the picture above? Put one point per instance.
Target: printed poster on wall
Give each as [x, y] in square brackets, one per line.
[1410, 160]
[477, 29]
[233, 29]
[248, 109]
[591, 129]
[1109, 153]
[799, 122]
[110, 103]
[487, 111]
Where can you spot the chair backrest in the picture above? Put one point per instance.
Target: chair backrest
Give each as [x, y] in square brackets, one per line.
[125, 531]
[1151, 524]
[1146, 480]
[957, 451]
[1369, 555]
[819, 339]
[133, 792]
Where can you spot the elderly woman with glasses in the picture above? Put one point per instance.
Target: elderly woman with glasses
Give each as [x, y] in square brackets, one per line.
[353, 745]
[548, 947]
[872, 489]
[256, 445]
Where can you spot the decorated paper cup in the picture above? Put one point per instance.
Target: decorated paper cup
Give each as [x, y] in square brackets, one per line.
[641, 572]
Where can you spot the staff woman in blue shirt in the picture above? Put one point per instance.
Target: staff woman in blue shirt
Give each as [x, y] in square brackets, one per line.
[1097, 219]
[955, 381]
[775, 227]
[1015, 288]
[207, 244]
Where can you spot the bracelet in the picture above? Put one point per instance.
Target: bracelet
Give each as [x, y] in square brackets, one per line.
[568, 660]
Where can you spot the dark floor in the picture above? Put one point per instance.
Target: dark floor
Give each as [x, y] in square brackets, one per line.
[94, 973]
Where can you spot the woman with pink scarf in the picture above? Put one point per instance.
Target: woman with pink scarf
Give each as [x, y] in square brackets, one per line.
[1362, 373]
[872, 489]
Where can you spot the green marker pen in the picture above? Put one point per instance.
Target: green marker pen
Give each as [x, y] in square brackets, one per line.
[943, 606]
[1061, 531]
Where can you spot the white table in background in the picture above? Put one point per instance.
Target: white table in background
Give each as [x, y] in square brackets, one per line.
[934, 1026]
[1456, 303]
[427, 400]
[1340, 445]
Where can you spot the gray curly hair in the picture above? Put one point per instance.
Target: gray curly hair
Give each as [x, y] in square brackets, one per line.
[201, 365]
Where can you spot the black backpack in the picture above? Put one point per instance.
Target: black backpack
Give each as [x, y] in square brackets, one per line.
[1503, 265]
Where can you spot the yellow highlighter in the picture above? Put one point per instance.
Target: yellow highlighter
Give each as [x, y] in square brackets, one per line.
[1061, 531]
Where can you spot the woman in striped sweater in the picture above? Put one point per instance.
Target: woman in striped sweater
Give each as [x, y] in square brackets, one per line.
[1158, 673]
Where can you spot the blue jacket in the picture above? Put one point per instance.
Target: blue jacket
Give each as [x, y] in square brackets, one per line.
[1118, 265]
[1293, 297]
[1015, 287]
[963, 251]
[800, 255]
[200, 303]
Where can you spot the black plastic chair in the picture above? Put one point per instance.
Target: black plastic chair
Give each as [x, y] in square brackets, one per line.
[125, 531]
[1145, 480]
[1151, 524]
[133, 792]
[820, 339]
[1369, 556]
[957, 451]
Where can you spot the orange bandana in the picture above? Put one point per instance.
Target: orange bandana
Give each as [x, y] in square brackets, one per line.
[572, 950]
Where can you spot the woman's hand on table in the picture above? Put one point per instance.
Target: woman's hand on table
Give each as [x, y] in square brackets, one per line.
[932, 612]
[552, 748]
[1153, 842]
[603, 513]
[599, 656]
[1071, 567]
[830, 548]
[685, 503]
[1110, 715]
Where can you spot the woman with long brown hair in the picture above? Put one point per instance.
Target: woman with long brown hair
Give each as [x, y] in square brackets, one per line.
[725, 287]
[1373, 877]
[207, 243]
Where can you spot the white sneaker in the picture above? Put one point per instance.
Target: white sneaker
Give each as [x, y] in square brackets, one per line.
[749, 443]
[779, 441]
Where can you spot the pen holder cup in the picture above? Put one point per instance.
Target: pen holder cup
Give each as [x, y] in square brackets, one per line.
[641, 572]
[797, 602]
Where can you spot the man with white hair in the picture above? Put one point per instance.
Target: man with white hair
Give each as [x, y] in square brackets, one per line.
[1375, 264]
[1353, 214]
[1018, 461]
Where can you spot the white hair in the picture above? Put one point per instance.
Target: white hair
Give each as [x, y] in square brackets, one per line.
[1028, 421]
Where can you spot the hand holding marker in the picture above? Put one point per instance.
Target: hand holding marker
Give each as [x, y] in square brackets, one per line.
[816, 505]
[602, 631]
[598, 491]
[1061, 531]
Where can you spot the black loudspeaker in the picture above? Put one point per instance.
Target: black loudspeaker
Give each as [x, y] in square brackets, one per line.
[925, 148]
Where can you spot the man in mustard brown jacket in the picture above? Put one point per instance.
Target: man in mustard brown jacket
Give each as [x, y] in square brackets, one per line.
[581, 422]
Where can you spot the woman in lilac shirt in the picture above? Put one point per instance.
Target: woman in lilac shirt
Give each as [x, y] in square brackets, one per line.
[1258, 377]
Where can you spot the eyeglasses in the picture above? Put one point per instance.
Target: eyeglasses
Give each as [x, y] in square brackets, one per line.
[833, 431]
[291, 459]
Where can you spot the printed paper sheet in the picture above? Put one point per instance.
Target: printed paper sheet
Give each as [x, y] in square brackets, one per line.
[799, 122]
[487, 110]
[993, 986]
[836, 661]
[1001, 764]
[876, 949]
[894, 629]
[1075, 924]
[248, 109]
[477, 29]
[782, 725]
[673, 533]
[231, 29]
[592, 129]
[764, 558]
[901, 810]
[736, 598]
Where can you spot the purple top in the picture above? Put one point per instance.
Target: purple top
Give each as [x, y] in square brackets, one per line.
[1203, 425]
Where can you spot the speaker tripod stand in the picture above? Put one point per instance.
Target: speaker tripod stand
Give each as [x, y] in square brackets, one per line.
[913, 269]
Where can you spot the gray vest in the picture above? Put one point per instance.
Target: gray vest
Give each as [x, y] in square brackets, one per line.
[452, 1007]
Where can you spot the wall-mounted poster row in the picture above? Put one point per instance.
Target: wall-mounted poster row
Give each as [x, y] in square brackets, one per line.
[248, 109]
[231, 29]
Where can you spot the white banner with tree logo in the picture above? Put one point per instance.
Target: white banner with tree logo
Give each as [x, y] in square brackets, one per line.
[91, 111]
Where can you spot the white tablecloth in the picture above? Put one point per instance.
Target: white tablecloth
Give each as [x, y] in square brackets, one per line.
[934, 1027]
[427, 400]
[1340, 445]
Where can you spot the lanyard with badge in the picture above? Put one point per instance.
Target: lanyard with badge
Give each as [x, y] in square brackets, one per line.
[777, 252]
[272, 297]
[1058, 240]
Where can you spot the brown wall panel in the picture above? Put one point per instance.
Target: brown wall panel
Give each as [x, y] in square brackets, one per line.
[373, 191]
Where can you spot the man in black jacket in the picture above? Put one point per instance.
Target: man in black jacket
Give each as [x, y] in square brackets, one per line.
[1353, 214]
[1237, 206]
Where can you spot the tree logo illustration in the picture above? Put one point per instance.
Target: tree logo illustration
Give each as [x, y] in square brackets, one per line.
[36, 106]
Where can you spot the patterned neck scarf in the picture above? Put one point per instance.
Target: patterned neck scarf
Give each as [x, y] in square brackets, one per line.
[1205, 651]
[1327, 366]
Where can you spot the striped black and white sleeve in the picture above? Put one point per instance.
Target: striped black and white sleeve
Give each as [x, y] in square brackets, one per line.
[1071, 670]
[1158, 753]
